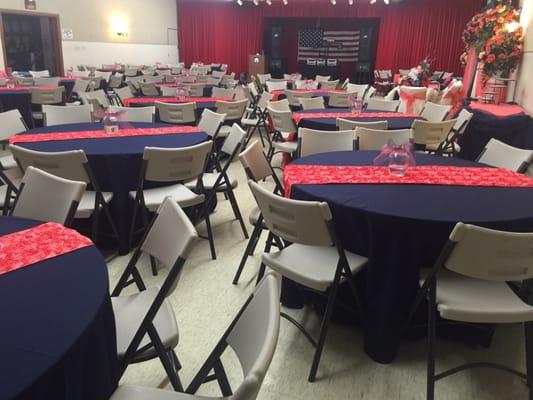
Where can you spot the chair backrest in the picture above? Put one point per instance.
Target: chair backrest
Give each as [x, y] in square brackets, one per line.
[382, 105]
[276, 85]
[435, 112]
[131, 71]
[196, 90]
[210, 122]
[370, 92]
[65, 164]
[58, 115]
[263, 78]
[338, 99]
[218, 74]
[233, 140]
[419, 99]
[431, 133]
[183, 113]
[322, 78]
[294, 96]
[234, 110]
[99, 96]
[312, 141]
[254, 335]
[282, 121]
[314, 103]
[11, 123]
[40, 74]
[134, 114]
[329, 85]
[171, 236]
[296, 221]
[169, 91]
[300, 84]
[223, 93]
[38, 81]
[463, 119]
[80, 86]
[115, 81]
[375, 139]
[148, 89]
[24, 80]
[280, 105]
[46, 197]
[346, 124]
[153, 79]
[264, 99]
[502, 155]
[124, 93]
[175, 164]
[490, 254]
[47, 96]
[360, 90]
[254, 161]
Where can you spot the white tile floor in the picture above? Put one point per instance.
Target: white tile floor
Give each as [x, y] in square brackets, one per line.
[205, 302]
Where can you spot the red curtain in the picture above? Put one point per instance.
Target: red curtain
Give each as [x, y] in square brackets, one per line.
[212, 31]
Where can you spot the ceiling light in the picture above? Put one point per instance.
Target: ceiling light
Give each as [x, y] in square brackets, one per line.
[350, 2]
[285, 2]
[372, 1]
[269, 2]
[239, 2]
[256, 2]
[334, 2]
[386, 2]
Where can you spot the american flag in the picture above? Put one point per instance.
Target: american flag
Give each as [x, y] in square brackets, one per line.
[344, 44]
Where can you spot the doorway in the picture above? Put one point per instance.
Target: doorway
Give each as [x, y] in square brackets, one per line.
[31, 41]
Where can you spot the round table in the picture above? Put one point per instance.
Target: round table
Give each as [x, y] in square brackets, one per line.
[330, 124]
[402, 228]
[115, 162]
[58, 331]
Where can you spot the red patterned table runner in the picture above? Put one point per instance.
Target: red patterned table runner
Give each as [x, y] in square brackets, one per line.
[299, 116]
[142, 100]
[420, 175]
[276, 93]
[30, 246]
[24, 88]
[100, 134]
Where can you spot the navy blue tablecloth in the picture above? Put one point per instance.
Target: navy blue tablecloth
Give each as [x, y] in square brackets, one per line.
[402, 228]
[17, 99]
[330, 124]
[57, 336]
[515, 130]
[116, 162]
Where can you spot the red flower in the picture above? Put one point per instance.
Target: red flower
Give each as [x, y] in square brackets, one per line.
[491, 58]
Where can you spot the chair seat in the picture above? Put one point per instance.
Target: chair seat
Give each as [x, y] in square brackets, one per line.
[209, 179]
[3, 193]
[434, 147]
[129, 312]
[179, 193]
[250, 121]
[86, 206]
[131, 392]
[460, 298]
[286, 147]
[224, 131]
[8, 162]
[312, 266]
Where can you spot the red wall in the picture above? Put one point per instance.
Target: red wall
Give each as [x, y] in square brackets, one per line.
[214, 31]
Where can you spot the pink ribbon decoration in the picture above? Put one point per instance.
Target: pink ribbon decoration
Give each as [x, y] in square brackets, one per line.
[30, 246]
[410, 99]
[100, 134]
[419, 175]
[383, 158]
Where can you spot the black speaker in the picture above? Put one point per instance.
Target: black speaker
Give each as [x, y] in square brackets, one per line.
[365, 44]
[275, 51]
[277, 67]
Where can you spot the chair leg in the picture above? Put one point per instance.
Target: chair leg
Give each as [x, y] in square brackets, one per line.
[209, 232]
[262, 267]
[252, 242]
[323, 331]
[132, 227]
[237, 211]
[107, 213]
[431, 342]
[528, 334]
[94, 227]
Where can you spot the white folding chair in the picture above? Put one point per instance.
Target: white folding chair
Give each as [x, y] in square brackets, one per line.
[252, 336]
[329, 85]
[346, 125]
[431, 136]
[375, 139]
[11, 123]
[502, 155]
[314, 103]
[284, 126]
[382, 105]
[322, 78]
[435, 112]
[311, 141]
[58, 115]
[339, 100]
[182, 113]
[276, 85]
[134, 114]
[46, 197]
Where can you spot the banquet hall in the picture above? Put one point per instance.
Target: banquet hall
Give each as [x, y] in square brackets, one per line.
[266, 199]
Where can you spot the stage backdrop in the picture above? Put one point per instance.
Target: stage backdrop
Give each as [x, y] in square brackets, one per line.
[214, 31]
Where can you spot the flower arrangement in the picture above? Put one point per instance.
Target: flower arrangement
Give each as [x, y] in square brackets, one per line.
[497, 37]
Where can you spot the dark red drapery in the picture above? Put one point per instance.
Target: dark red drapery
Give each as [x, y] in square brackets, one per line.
[212, 31]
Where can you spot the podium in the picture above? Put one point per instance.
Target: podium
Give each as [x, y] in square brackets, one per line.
[257, 64]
